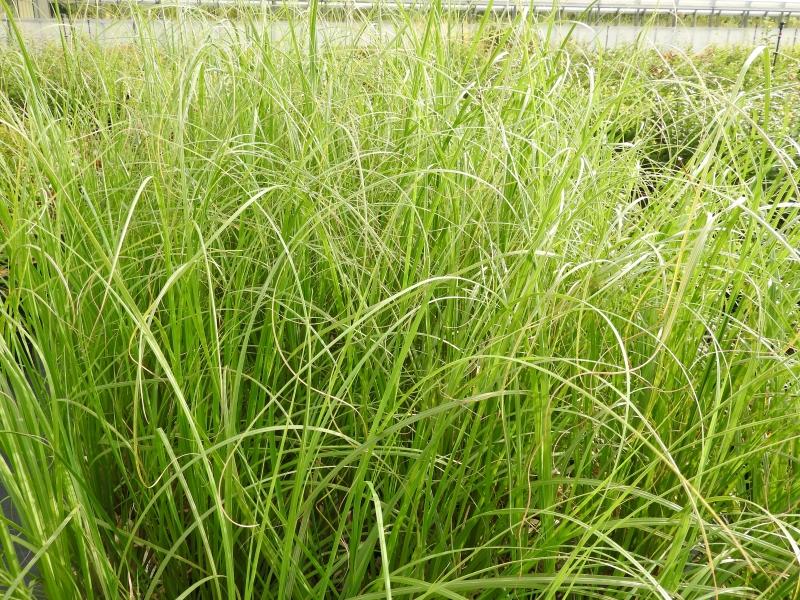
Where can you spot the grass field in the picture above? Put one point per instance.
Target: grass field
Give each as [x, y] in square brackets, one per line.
[435, 316]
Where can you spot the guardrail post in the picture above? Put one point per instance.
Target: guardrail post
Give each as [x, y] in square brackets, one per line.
[778, 43]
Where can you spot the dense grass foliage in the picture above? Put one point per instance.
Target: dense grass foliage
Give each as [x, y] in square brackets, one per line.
[443, 315]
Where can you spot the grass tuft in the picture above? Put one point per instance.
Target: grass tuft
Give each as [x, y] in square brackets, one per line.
[435, 310]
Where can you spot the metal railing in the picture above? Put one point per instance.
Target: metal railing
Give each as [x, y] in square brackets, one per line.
[680, 7]
[781, 9]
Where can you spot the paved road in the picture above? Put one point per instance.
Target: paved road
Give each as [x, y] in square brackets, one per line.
[123, 31]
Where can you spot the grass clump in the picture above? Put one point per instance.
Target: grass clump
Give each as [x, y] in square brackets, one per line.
[428, 315]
